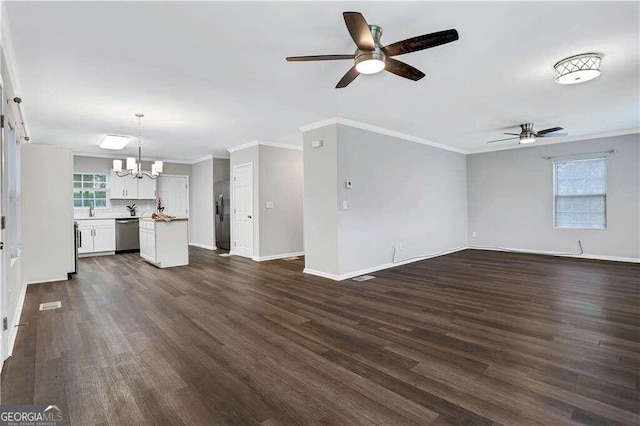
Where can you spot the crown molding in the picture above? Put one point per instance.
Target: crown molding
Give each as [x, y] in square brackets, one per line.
[380, 130]
[264, 143]
[554, 141]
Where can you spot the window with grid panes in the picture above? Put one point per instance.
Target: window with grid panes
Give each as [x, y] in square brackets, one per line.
[90, 188]
[580, 188]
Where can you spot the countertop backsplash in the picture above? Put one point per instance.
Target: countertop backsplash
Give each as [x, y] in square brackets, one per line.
[118, 208]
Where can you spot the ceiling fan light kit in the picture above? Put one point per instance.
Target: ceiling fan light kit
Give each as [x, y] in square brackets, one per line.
[372, 57]
[578, 68]
[527, 135]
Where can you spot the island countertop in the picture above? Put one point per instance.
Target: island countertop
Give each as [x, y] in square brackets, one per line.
[150, 219]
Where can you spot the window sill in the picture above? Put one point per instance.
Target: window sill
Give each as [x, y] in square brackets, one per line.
[580, 229]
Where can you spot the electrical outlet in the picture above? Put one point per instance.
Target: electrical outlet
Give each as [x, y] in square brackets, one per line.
[473, 234]
[316, 144]
[348, 184]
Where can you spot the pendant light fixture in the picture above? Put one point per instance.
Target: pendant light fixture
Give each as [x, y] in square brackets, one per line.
[133, 167]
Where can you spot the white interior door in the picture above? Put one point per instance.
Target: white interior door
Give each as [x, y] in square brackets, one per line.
[243, 210]
[174, 191]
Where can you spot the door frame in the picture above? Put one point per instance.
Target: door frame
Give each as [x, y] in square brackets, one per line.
[232, 243]
[4, 260]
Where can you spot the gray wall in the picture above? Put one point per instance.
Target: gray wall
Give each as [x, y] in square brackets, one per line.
[402, 192]
[511, 199]
[321, 200]
[281, 182]
[99, 164]
[244, 156]
[201, 200]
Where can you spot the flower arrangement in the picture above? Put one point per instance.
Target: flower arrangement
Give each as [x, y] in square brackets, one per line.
[159, 206]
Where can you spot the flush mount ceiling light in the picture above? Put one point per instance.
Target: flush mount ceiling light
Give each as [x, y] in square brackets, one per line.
[578, 69]
[134, 168]
[115, 142]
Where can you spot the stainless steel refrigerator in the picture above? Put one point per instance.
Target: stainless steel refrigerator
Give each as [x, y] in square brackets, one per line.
[223, 217]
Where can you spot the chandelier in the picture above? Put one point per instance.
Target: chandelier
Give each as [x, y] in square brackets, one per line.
[134, 168]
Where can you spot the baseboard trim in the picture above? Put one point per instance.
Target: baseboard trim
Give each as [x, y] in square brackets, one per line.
[13, 332]
[379, 267]
[277, 256]
[204, 246]
[560, 254]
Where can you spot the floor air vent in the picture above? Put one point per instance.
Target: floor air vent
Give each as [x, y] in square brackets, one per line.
[363, 278]
[50, 305]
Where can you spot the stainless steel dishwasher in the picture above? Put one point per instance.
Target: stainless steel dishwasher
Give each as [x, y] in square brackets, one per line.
[127, 235]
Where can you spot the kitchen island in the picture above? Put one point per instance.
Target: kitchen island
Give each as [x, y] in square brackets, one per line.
[164, 243]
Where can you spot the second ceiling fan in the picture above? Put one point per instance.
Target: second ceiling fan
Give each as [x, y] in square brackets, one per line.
[372, 57]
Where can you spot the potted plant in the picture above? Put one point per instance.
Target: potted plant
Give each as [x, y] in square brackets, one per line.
[159, 206]
[132, 209]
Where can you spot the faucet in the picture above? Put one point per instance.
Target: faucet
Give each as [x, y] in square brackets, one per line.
[92, 212]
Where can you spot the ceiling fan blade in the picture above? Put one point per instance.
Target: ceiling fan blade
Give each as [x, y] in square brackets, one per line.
[514, 134]
[421, 42]
[347, 78]
[545, 131]
[552, 135]
[359, 30]
[318, 58]
[402, 69]
[500, 140]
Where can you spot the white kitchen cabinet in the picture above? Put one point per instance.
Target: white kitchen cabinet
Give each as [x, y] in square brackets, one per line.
[146, 188]
[97, 236]
[130, 188]
[85, 245]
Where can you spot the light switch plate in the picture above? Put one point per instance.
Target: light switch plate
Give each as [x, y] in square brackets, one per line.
[268, 205]
[345, 205]
[316, 144]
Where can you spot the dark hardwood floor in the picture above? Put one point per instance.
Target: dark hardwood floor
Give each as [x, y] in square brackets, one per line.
[473, 337]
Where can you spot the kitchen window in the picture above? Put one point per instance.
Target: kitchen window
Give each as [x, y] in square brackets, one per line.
[580, 190]
[90, 188]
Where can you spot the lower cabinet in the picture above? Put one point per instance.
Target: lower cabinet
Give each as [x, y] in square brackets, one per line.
[97, 236]
[148, 242]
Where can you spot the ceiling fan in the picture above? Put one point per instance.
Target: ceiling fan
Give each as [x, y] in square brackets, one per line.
[372, 57]
[528, 135]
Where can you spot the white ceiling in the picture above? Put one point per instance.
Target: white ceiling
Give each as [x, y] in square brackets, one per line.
[210, 76]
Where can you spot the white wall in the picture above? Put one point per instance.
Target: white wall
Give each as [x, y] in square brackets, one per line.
[201, 216]
[402, 192]
[47, 213]
[281, 183]
[511, 200]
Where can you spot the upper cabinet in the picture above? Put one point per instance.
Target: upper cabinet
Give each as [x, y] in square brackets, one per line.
[146, 188]
[130, 188]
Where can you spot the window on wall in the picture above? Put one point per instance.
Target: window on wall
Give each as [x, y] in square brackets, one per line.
[580, 188]
[90, 188]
